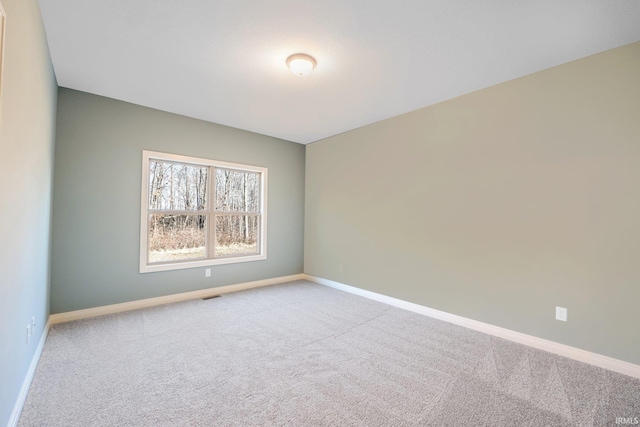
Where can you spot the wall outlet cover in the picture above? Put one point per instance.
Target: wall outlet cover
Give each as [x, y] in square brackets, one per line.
[561, 314]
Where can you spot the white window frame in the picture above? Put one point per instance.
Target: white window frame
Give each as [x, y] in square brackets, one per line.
[145, 266]
[2, 31]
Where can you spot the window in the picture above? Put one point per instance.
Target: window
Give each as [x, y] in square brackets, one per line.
[200, 212]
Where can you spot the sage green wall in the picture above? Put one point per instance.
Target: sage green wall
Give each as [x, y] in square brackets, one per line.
[496, 206]
[27, 120]
[96, 209]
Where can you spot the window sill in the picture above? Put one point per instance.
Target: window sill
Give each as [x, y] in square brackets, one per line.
[199, 263]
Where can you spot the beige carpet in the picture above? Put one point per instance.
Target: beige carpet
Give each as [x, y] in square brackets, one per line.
[300, 354]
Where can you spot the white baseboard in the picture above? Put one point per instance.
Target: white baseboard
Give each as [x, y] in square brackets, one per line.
[26, 384]
[150, 302]
[595, 359]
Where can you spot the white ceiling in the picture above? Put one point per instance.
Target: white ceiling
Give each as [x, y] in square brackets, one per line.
[224, 60]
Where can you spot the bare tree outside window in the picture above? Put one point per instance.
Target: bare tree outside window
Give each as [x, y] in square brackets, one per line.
[237, 208]
[176, 190]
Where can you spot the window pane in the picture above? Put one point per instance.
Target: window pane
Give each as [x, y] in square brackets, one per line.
[236, 235]
[175, 186]
[176, 237]
[237, 191]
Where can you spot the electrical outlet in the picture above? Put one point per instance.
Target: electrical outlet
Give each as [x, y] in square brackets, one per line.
[561, 314]
[341, 267]
[207, 272]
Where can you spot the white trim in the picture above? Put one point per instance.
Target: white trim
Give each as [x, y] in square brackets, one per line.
[26, 384]
[594, 359]
[189, 160]
[144, 206]
[3, 25]
[150, 302]
[151, 268]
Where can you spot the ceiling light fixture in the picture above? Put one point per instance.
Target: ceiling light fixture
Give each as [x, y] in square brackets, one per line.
[301, 64]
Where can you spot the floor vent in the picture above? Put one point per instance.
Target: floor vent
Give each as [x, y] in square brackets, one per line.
[211, 297]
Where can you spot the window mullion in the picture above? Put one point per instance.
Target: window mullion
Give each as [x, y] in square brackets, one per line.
[175, 212]
[241, 213]
[211, 218]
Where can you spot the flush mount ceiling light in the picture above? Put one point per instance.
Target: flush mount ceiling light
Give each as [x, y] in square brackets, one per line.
[301, 64]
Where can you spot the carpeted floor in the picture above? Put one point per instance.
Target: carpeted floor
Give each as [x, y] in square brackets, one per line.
[301, 354]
